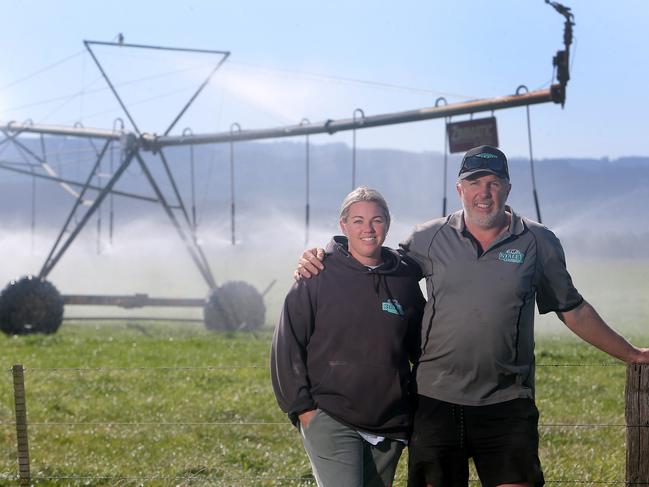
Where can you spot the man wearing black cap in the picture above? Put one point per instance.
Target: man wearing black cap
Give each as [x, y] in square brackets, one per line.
[485, 267]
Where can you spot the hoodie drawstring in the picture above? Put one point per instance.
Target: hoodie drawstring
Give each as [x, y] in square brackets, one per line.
[376, 281]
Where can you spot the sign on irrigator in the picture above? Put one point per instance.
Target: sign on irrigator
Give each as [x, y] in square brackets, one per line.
[463, 136]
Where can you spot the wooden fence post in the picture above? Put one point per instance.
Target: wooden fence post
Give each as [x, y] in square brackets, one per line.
[637, 424]
[21, 425]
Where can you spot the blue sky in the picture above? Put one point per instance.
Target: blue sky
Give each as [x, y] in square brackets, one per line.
[295, 59]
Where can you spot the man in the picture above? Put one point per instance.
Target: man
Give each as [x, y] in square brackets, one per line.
[484, 267]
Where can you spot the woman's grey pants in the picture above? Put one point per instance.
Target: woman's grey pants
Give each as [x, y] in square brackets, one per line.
[340, 457]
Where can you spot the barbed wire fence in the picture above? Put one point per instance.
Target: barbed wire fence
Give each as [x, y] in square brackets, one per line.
[243, 433]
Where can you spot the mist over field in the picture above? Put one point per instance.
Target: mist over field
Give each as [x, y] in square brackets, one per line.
[592, 205]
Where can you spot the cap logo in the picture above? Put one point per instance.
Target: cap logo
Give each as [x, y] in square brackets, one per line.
[513, 256]
[484, 159]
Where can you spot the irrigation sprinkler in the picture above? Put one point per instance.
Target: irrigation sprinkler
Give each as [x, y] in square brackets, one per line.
[33, 305]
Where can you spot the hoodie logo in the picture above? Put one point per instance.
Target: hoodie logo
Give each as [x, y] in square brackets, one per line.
[392, 306]
[514, 256]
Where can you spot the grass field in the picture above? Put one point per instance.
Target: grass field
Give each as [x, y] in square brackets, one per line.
[169, 404]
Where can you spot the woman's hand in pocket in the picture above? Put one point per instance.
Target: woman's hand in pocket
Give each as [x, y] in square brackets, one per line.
[306, 417]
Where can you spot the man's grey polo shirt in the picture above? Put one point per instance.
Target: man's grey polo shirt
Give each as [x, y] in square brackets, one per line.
[478, 325]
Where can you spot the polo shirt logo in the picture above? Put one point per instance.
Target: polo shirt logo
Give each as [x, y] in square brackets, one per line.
[514, 256]
[392, 306]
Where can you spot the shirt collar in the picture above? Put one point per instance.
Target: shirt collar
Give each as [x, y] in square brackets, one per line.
[516, 226]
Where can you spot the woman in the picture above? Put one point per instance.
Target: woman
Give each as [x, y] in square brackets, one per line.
[340, 355]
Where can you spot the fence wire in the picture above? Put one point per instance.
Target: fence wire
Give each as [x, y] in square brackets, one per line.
[203, 475]
[398, 480]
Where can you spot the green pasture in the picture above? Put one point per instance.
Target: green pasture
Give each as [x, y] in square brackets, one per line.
[169, 404]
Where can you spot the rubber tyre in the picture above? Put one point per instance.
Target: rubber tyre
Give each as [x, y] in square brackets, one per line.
[236, 305]
[30, 305]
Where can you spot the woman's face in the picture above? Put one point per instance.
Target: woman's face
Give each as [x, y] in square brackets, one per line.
[365, 227]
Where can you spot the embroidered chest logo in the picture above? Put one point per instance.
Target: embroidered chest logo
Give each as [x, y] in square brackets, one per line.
[392, 306]
[514, 256]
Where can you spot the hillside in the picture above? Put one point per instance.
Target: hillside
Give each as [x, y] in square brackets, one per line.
[590, 203]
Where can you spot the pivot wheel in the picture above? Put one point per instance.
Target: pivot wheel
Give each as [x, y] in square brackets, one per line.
[30, 305]
[236, 305]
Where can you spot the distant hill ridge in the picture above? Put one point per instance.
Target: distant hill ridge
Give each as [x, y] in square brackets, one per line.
[576, 195]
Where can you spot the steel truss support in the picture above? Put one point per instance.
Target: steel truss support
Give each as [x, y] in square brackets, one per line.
[22, 149]
[89, 44]
[188, 238]
[56, 253]
[134, 144]
[13, 137]
[133, 152]
[5, 166]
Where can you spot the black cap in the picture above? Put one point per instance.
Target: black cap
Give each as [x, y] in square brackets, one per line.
[484, 159]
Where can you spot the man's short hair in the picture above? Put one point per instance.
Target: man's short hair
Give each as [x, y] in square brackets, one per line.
[364, 193]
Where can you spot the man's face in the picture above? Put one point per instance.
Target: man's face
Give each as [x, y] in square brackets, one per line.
[483, 198]
[365, 228]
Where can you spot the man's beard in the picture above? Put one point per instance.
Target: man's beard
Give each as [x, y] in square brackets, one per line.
[484, 221]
